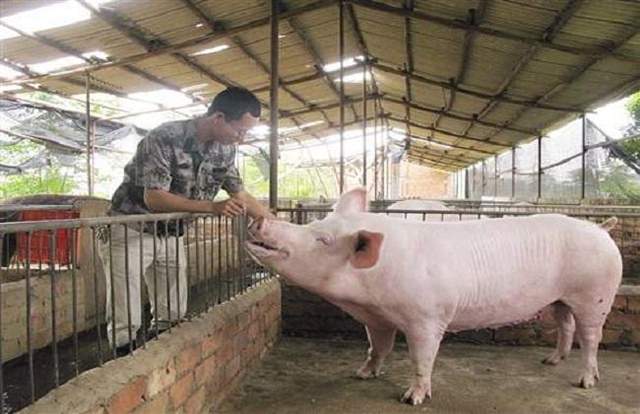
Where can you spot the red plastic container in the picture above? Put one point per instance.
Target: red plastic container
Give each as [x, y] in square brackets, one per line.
[39, 252]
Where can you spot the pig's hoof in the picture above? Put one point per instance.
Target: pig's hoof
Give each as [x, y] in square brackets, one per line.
[415, 395]
[553, 359]
[366, 373]
[588, 381]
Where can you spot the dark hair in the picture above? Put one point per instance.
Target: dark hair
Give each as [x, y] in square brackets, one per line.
[234, 102]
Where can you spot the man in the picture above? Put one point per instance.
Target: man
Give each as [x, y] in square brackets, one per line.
[178, 167]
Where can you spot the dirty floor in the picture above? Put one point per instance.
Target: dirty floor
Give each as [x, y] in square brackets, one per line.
[302, 376]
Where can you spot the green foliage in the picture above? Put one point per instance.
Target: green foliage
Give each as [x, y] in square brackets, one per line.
[51, 181]
[621, 184]
[633, 106]
[293, 183]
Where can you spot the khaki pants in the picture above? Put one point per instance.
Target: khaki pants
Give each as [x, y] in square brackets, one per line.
[169, 274]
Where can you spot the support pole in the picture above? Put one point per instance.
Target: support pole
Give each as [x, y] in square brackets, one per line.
[89, 125]
[583, 176]
[273, 109]
[341, 53]
[364, 125]
[539, 168]
[375, 149]
[513, 173]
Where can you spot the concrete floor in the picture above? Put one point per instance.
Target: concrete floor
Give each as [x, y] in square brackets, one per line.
[315, 376]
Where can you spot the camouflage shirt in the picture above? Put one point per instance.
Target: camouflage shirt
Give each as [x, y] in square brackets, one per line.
[171, 158]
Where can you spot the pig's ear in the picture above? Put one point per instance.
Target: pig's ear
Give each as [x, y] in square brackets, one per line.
[354, 201]
[366, 249]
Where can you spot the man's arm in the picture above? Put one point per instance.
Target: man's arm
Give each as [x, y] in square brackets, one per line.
[254, 207]
[162, 201]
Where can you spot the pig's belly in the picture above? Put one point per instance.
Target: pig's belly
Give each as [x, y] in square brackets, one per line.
[493, 316]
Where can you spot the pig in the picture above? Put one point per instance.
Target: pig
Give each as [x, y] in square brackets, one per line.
[421, 205]
[427, 278]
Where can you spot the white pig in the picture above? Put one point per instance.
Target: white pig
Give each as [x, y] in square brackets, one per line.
[427, 278]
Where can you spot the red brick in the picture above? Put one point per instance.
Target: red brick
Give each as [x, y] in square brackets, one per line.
[195, 403]
[241, 341]
[620, 303]
[231, 369]
[211, 344]
[617, 319]
[128, 398]
[181, 390]
[205, 370]
[633, 304]
[611, 336]
[188, 359]
[225, 353]
[158, 405]
[243, 320]
[161, 379]
[253, 331]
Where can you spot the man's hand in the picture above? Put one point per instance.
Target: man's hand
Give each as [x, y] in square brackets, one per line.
[232, 207]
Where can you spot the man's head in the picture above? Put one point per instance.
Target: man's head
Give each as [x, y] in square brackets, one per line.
[232, 113]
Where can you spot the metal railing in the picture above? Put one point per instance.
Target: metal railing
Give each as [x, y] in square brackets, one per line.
[54, 316]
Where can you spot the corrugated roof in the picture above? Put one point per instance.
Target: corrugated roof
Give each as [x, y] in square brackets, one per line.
[483, 75]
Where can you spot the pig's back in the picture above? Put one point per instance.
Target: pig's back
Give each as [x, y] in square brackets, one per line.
[505, 270]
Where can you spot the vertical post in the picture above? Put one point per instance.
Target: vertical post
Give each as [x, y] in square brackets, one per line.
[88, 125]
[341, 57]
[484, 178]
[495, 176]
[467, 194]
[273, 109]
[583, 176]
[364, 123]
[375, 149]
[539, 167]
[513, 172]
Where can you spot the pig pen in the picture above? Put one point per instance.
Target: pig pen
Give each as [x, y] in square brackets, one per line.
[312, 368]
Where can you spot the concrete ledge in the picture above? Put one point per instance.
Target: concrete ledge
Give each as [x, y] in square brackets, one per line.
[192, 369]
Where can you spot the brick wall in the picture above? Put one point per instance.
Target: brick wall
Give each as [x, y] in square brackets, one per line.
[305, 314]
[14, 312]
[423, 182]
[191, 370]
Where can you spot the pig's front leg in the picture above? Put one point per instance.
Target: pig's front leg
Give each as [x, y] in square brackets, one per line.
[380, 344]
[423, 347]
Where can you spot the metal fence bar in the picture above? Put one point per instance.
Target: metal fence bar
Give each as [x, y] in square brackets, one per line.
[155, 312]
[212, 293]
[127, 278]
[74, 300]
[188, 264]
[177, 240]
[205, 282]
[32, 382]
[95, 291]
[166, 270]
[54, 336]
[2, 407]
[112, 293]
[143, 323]
[219, 238]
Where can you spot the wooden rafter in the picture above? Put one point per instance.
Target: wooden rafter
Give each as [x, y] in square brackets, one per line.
[474, 93]
[452, 115]
[428, 140]
[577, 74]
[458, 24]
[549, 34]
[451, 134]
[54, 44]
[315, 56]
[163, 50]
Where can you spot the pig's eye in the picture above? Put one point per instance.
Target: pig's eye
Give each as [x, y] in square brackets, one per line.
[324, 239]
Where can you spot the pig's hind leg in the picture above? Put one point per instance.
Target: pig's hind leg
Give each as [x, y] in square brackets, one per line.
[590, 312]
[566, 328]
[381, 342]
